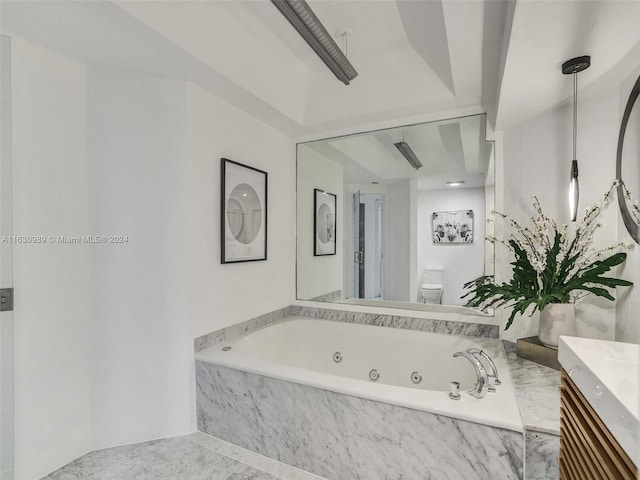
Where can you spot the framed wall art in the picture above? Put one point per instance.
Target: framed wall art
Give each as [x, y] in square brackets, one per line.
[324, 223]
[452, 227]
[243, 213]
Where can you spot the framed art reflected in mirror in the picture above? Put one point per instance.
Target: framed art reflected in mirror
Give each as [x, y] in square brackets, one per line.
[452, 227]
[243, 213]
[324, 223]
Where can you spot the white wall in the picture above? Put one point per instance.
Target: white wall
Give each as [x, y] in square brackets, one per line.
[141, 365]
[6, 263]
[461, 262]
[221, 295]
[52, 370]
[104, 344]
[536, 161]
[323, 274]
[400, 253]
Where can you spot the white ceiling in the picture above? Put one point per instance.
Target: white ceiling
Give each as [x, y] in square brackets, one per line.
[544, 34]
[449, 150]
[413, 57]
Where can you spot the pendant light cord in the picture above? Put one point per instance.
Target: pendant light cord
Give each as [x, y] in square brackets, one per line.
[575, 115]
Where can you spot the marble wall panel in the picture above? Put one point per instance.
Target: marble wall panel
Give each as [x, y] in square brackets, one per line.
[393, 321]
[240, 329]
[251, 411]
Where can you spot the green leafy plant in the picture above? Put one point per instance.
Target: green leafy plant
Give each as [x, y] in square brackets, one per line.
[551, 265]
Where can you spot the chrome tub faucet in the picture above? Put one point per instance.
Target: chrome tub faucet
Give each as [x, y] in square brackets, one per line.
[482, 383]
[493, 374]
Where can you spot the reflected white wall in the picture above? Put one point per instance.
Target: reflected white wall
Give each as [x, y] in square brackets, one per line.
[317, 275]
[400, 254]
[461, 262]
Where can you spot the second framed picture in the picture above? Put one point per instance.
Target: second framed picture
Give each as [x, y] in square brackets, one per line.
[324, 223]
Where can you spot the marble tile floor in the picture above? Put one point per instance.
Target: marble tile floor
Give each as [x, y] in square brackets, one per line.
[191, 457]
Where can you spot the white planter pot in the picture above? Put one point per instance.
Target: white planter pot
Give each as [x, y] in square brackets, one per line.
[557, 319]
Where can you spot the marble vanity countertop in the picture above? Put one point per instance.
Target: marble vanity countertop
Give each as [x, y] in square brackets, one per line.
[537, 391]
[607, 375]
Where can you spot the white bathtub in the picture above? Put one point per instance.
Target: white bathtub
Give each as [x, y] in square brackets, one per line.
[301, 350]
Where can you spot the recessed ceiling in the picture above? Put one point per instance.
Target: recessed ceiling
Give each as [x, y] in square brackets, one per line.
[414, 58]
[449, 150]
[247, 52]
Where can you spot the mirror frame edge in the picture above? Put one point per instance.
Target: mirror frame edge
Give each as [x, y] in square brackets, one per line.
[630, 224]
[490, 136]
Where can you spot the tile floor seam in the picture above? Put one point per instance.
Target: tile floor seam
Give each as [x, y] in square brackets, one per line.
[239, 468]
[195, 456]
[242, 465]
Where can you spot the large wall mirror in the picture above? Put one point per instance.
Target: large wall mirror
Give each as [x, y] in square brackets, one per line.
[628, 161]
[407, 237]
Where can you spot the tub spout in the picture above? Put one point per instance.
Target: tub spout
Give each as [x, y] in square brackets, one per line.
[482, 383]
[493, 374]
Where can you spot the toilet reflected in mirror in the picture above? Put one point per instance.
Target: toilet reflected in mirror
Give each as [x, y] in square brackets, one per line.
[432, 286]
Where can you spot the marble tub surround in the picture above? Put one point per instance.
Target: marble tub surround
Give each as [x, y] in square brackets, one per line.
[423, 321]
[537, 390]
[607, 375]
[328, 297]
[190, 457]
[541, 456]
[303, 350]
[240, 329]
[466, 325]
[395, 306]
[342, 437]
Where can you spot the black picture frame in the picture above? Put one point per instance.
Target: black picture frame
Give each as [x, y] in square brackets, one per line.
[243, 212]
[324, 223]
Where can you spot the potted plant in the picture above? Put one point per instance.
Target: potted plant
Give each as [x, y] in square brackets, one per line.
[553, 268]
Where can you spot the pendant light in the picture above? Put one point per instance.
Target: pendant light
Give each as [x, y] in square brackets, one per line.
[304, 20]
[572, 67]
[408, 153]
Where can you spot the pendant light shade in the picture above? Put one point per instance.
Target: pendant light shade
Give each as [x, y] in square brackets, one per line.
[574, 191]
[572, 67]
[407, 152]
